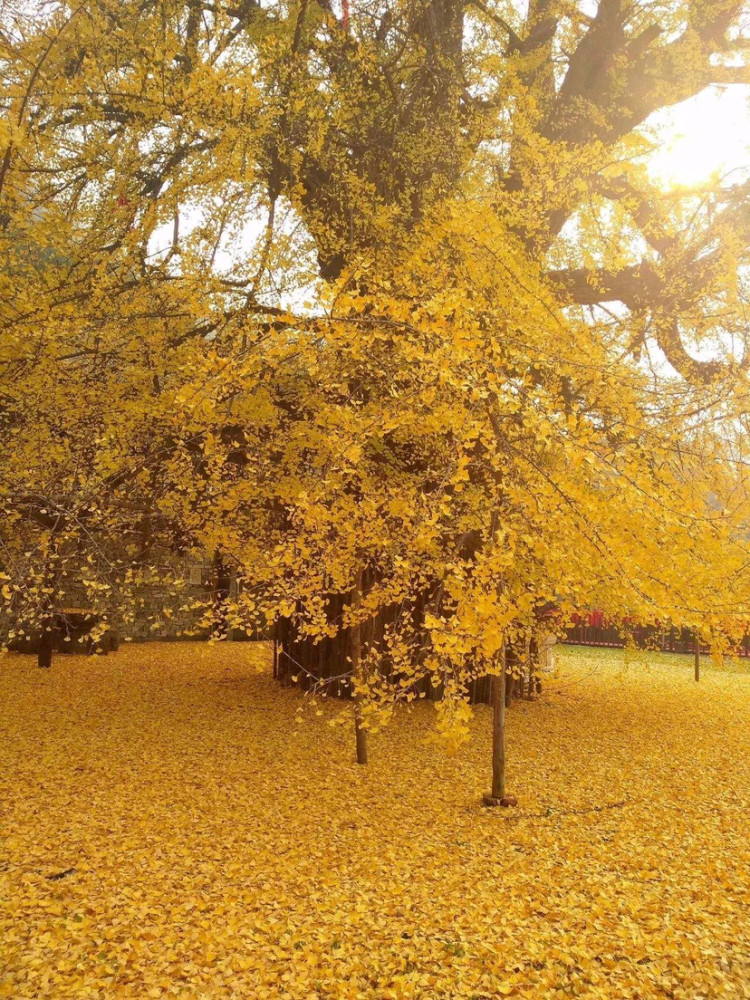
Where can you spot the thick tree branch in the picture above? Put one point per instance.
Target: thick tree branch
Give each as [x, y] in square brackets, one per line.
[642, 210]
[588, 286]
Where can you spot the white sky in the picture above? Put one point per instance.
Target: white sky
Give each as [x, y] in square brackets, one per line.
[707, 135]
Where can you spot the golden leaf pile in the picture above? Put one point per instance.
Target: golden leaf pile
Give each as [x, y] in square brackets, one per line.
[168, 830]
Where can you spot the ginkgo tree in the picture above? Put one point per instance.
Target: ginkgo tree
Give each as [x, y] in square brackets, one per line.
[386, 308]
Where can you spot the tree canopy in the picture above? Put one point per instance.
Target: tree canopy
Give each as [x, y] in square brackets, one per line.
[383, 303]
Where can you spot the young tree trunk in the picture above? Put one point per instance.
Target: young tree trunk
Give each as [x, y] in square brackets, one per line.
[356, 654]
[498, 730]
[697, 657]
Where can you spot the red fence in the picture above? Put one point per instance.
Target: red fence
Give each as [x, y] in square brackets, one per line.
[593, 630]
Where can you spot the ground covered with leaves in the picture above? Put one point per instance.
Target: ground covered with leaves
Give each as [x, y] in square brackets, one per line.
[169, 829]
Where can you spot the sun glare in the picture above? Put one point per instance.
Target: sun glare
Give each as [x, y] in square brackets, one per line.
[704, 138]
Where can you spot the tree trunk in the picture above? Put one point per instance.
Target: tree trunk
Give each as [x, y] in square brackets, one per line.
[356, 653]
[44, 655]
[508, 684]
[528, 693]
[222, 586]
[498, 730]
[305, 662]
[697, 657]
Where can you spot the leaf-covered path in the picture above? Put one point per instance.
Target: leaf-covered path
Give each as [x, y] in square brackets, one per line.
[169, 830]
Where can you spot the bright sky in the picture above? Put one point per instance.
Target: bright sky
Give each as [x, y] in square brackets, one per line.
[706, 135]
